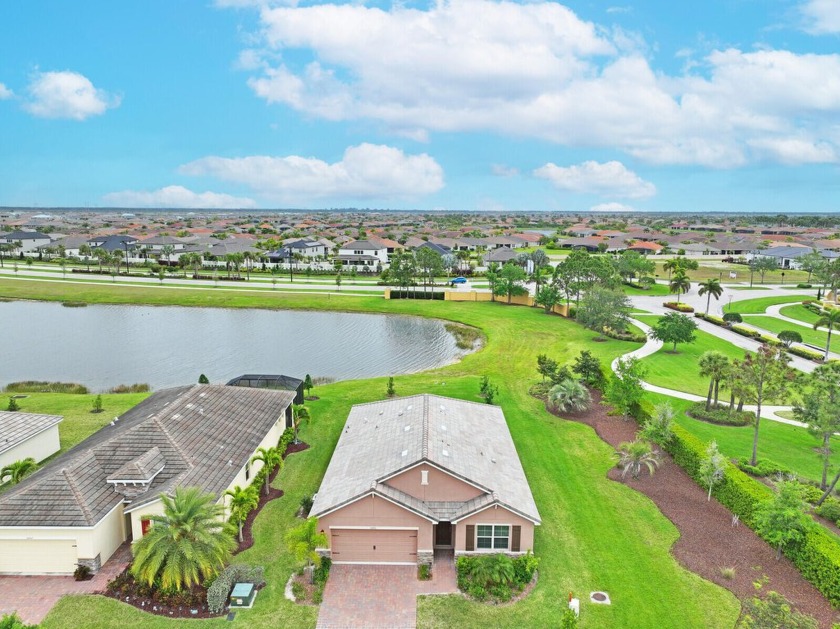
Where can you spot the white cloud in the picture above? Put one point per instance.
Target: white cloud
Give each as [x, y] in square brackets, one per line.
[821, 16]
[366, 171]
[612, 207]
[5, 92]
[67, 95]
[500, 170]
[607, 179]
[177, 197]
[537, 70]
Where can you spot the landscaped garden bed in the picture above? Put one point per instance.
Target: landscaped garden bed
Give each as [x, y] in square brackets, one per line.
[496, 578]
[308, 590]
[678, 307]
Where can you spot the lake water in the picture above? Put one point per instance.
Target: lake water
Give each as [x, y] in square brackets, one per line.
[103, 346]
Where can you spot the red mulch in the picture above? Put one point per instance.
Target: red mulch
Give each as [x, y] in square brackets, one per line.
[295, 447]
[708, 541]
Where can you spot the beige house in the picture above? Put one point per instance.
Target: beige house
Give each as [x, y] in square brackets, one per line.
[82, 506]
[25, 435]
[413, 475]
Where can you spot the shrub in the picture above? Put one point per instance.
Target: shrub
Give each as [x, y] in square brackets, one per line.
[298, 591]
[727, 573]
[306, 503]
[762, 468]
[745, 331]
[424, 572]
[524, 567]
[81, 573]
[220, 589]
[13, 621]
[732, 317]
[804, 352]
[39, 386]
[679, 307]
[804, 285]
[13, 405]
[720, 415]
[830, 510]
[139, 387]
[712, 319]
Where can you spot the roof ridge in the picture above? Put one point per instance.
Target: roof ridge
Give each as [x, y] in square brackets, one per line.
[172, 440]
[425, 443]
[78, 497]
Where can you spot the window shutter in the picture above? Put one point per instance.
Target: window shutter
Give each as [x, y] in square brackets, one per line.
[514, 542]
[470, 537]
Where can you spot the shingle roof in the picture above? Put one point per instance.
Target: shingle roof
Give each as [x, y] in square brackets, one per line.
[15, 428]
[468, 440]
[205, 434]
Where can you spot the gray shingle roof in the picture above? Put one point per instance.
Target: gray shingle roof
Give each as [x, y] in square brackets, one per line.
[204, 433]
[143, 468]
[15, 428]
[468, 440]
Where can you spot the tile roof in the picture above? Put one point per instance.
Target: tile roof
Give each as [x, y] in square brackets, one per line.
[15, 427]
[205, 434]
[143, 468]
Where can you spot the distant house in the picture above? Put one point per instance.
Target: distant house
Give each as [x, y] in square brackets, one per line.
[443, 250]
[26, 241]
[500, 256]
[113, 243]
[70, 245]
[788, 257]
[362, 254]
[25, 435]
[80, 507]
[307, 249]
[413, 475]
[645, 247]
[153, 247]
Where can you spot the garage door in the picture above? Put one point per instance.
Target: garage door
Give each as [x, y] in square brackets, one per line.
[33, 556]
[374, 546]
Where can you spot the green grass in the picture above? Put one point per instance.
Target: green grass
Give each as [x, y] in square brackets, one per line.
[809, 335]
[758, 306]
[596, 534]
[654, 290]
[800, 313]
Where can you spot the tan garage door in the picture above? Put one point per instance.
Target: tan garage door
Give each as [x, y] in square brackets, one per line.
[35, 556]
[374, 546]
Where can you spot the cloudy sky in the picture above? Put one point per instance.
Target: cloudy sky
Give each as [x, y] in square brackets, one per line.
[722, 105]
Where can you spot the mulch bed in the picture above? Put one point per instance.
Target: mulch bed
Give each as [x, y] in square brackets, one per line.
[708, 541]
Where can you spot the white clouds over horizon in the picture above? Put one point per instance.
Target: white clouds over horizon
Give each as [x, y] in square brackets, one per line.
[612, 207]
[537, 70]
[822, 17]
[177, 197]
[66, 94]
[610, 179]
[366, 171]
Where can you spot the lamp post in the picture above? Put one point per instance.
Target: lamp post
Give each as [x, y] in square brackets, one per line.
[783, 277]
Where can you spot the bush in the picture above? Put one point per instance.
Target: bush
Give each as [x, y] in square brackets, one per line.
[762, 467]
[524, 567]
[804, 285]
[81, 573]
[679, 307]
[720, 415]
[220, 589]
[140, 387]
[712, 319]
[39, 386]
[306, 503]
[13, 621]
[830, 510]
[732, 317]
[745, 331]
[804, 352]
[627, 335]
[298, 591]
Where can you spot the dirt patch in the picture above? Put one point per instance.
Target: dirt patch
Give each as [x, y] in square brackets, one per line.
[708, 541]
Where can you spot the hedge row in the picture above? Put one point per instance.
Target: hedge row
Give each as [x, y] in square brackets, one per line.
[678, 307]
[798, 350]
[810, 354]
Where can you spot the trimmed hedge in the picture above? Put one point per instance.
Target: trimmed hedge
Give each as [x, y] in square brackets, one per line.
[720, 415]
[678, 307]
[810, 354]
[762, 467]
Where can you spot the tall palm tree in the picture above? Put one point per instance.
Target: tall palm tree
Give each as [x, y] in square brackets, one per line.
[189, 543]
[241, 503]
[84, 250]
[167, 251]
[270, 458]
[634, 455]
[711, 288]
[117, 257]
[569, 396]
[101, 255]
[248, 257]
[713, 365]
[15, 472]
[304, 541]
[829, 319]
[679, 284]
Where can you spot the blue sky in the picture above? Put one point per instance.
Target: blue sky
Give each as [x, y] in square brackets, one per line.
[725, 105]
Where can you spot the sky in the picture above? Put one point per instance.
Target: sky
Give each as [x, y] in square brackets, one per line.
[462, 105]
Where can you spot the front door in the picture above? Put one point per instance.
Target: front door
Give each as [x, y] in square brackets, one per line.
[443, 534]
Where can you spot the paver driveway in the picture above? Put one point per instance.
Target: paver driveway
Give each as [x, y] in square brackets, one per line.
[379, 596]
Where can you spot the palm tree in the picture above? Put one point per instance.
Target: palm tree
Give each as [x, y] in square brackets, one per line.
[167, 251]
[494, 570]
[829, 319]
[101, 255]
[300, 414]
[713, 365]
[711, 288]
[569, 396]
[304, 540]
[248, 257]
[671, 266]
[189, 543]
[270, 458]
[85, 250]
[117, 257]
[242, 502]
[679, 284]
[15, 472]
[634, 455]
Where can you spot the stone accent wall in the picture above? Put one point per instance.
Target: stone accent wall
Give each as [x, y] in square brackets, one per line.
[94, 564]
[426, 557]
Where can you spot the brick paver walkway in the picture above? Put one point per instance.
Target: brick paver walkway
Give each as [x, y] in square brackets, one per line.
[380, 596]
[33, 597]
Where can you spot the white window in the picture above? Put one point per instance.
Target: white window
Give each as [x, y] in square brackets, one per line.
[424, 477]
[492, 537]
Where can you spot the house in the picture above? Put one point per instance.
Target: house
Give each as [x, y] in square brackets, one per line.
[442, 250]
[70, 245]
[25, 241]
[645, 247]
[415, 474]
[113, 243]
[25, 435]
[154, 246]
[362, 253]
[500, 256]
[788, 257]
[80, 507]
[278, 382]
[306, 249]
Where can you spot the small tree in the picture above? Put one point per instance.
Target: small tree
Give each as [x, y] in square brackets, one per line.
[569, 396]
[713, 365]
[674, 328]
[783, 519]
[511, 281]
[633, 456]
[97, 404]
[546, 366]
[602, 308]
[731, 318]
[764, 376]
[300, 414]
[304, 541]
[712, 467]
[241, 503]
[270, 458]
[588, 367]
[390, 390]
[548, 296]
[307, 384]
[625, 389]
[202, 379]
[820, 410]
[710, 288]
[764, 264]
[13, 405]
[679, 284]
[659, 427]
[829, 319]
[789, 336]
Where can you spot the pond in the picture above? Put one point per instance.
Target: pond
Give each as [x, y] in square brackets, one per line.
[104, 346]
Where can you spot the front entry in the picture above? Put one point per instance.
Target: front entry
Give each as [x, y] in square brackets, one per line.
[443, 535]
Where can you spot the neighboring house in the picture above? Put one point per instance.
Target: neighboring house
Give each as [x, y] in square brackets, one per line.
[645, 247]
[71, 245]
[26, 241]
[153, 247]
[415, 474]
[307, 249]
[501, 256]
[278, 382]
[362, 253]
[440, 249]
[81, 506]
[24, 435]
[113, 243]
[788, 257]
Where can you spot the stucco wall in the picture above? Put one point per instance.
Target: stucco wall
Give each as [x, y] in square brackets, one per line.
[39, 447]
[441, 487]
[269, 441]
[495, 515]
[375, 511]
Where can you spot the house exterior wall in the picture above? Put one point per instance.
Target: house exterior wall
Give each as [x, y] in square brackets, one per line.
[142, 513]
[380, 254]
[39, 447]
[269, 441]
[494, 515]
[441, 486]
[375, 512]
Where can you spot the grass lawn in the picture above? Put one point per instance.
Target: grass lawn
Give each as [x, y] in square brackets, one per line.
[809, 335]
[758, 306]
[596, 534]
[800, 313]
[655, 289]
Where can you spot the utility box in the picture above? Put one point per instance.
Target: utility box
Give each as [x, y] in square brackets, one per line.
[243, 596]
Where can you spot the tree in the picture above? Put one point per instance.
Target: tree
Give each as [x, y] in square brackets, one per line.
[789, 336]
[829, 319]
[632, 264]
[820, 410]
[633, 456]
[85, 252]
[511, 281]
[202, 379]
[674, 328]
[492, 276]
[13, 405]
[588, 367]
[304, 541]
[241, 503]
[784, 518]
[270, 458]
[338, 281]
[189, 543]
[679, 284]
[429, 264]
[603, 308]
[624, 390]
[713, 365]
[548, 296]
[712, 467]
[569, 396]
[811, 262]
[731, 318]
[679, 265]
[546, 366]
[711, 288]
[300, 414]
[658, 428]
[765, 377]
[16, 471]
[307, 384]
[763, 264]
[390, 389]
[97, 404]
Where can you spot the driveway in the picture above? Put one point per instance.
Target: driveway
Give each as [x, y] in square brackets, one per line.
[33, 597]
[379, 596]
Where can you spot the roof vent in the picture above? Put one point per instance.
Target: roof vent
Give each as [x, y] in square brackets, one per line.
[202, 394]
[408, 408]
[381, 412]
[400, 414]
[407, 428]
[405, 452]
[176, 415]
[443, 426]
[445, 452]
[190, 405]
[492, 460]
